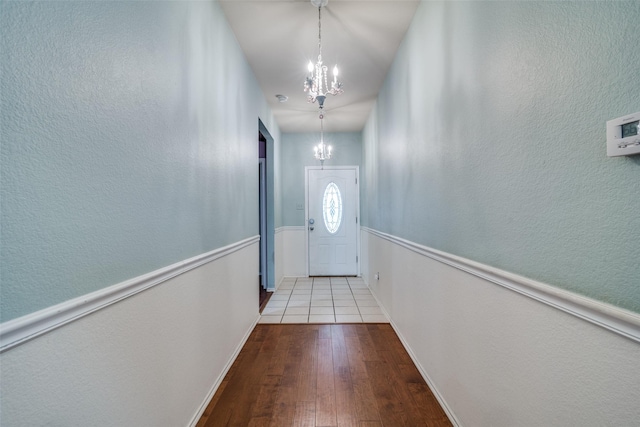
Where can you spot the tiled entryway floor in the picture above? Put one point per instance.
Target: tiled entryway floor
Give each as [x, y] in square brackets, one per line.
[323, 300]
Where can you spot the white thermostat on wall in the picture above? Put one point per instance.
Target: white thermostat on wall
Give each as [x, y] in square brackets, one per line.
[623, 138]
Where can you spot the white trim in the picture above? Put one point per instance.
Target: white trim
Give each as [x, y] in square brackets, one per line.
[425, 376]
[216, 384]
[18, 331]
[612, 318]
[264, 235]
[416, 362]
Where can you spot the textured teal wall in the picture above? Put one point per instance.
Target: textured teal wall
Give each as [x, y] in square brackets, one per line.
[297, 152]
[488, 141]
[129, 142]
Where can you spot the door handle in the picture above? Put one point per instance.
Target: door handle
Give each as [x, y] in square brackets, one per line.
[311, 222]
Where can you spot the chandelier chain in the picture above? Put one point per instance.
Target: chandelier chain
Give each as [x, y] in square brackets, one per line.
[317, 83]
[320, 31]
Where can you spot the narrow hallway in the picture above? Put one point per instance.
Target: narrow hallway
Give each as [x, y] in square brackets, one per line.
[323, 375]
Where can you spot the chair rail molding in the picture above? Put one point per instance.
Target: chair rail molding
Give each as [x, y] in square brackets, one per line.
[610, 317]
[18, 331]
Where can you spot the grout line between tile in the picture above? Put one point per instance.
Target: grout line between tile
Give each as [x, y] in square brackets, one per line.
[308, 284]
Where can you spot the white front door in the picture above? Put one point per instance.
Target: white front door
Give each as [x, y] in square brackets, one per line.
[332, 221]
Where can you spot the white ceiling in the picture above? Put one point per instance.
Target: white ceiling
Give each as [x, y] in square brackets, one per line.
[279, 37]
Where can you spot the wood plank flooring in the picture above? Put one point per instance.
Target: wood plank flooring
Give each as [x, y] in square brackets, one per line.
[323, 375]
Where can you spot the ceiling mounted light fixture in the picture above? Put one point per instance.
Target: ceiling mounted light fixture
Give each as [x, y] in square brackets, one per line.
[316, 81]
[322, 151]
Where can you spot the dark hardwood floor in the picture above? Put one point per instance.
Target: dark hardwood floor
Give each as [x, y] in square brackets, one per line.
[323, 375]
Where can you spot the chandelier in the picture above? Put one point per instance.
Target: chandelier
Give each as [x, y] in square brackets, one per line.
[316, 81]
[322, 151]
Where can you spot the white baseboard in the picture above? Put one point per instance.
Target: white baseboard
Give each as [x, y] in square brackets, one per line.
[220, 378]
[416, 362]
[425, 376]
[152, 358]
[499, 349]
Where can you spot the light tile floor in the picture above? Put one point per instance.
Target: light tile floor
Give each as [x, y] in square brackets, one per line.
[322, 300]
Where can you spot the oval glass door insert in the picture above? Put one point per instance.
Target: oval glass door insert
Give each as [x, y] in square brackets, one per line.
[332, 207]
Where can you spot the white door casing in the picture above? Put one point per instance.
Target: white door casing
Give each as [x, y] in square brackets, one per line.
[262, 183]
[332, 252]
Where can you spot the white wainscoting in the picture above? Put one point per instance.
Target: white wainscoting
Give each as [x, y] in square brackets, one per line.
[278, 261]
[502, 350]
[292, 252]
[153, 357]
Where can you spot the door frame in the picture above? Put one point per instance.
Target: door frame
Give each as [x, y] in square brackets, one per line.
[270, 206]
[306, 211]
[262, 200]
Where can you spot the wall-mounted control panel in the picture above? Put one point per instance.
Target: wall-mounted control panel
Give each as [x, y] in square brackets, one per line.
[623, 137]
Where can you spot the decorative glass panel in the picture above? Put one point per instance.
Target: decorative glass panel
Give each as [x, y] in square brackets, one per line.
[332, 207]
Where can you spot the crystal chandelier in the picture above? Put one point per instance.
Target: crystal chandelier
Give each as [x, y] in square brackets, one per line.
[322, 151]
[316, 81]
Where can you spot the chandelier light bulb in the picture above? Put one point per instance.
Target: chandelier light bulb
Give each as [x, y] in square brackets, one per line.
[322, 152]
[310, 67]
